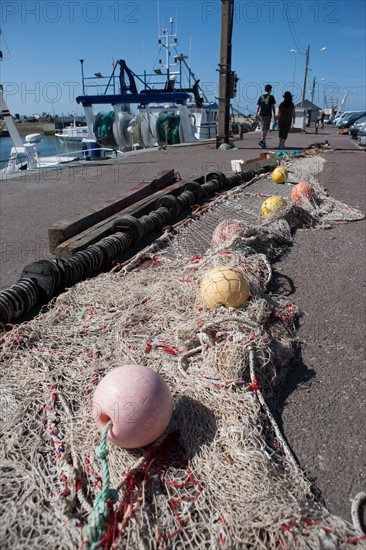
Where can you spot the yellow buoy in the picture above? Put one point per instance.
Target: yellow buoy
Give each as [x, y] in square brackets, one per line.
[225, 286]
[272, 204]
[280, 174]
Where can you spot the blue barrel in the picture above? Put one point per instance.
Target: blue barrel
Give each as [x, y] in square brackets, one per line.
[95, 151]
[91, 148]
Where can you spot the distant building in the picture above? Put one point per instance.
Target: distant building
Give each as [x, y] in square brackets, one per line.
[312, 110]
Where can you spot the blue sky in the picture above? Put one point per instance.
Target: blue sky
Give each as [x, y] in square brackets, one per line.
[42, 42]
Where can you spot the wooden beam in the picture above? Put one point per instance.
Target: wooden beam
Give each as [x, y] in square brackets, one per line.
[62, 230]
[104, 228]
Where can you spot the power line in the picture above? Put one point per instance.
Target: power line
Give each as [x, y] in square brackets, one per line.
[292, 29]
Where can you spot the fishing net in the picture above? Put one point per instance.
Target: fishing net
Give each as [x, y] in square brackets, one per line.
[222, 475]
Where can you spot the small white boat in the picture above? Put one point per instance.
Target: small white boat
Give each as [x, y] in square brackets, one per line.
[73, 133]
[25, 156]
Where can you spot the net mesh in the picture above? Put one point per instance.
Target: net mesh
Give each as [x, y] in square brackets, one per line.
[222, 475]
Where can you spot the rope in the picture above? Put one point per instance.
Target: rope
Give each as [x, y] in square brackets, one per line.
[98, 522]
[68, 472]
[103, 129]
[290, 457]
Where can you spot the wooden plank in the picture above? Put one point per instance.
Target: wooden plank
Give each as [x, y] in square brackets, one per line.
[258, 165]
[103, 228]
[263, 156]
[62, 230]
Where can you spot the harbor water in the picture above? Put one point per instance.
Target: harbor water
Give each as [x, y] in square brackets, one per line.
[49, 146]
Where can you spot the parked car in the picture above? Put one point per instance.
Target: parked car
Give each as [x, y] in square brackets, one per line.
[361, 138]
[357, 126]
[341, 116]
[347, 122]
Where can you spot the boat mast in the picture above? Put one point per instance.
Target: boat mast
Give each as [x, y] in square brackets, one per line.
[9, 122]
[342, 108]
[168, 40]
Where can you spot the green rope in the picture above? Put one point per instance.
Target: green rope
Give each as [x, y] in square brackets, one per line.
[168, 128]
[103, 129]
[97, 524]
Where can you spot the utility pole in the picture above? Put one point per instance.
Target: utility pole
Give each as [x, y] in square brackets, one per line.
[227, 15]
[305, 76]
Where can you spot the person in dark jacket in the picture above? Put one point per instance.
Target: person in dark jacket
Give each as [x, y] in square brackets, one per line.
[265, 110]
[196, 93]
[286, 114]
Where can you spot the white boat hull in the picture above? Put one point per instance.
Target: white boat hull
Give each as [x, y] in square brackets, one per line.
[142, 130]
[75, 139]
[73, 133]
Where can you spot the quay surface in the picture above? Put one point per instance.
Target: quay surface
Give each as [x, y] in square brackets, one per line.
[44, 128]
[323, 403]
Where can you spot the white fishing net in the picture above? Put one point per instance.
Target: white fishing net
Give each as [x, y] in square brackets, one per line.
[222, 475]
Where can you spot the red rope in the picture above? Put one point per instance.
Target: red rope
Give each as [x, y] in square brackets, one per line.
[156, 466]
[167, 349]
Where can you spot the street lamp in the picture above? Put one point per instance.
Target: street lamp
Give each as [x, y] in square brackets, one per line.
[293, 76]
[306, 72]
[313, 90]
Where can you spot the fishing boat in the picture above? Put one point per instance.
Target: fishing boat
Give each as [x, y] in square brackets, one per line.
[171, 108]
[3, 131]
[73, 133]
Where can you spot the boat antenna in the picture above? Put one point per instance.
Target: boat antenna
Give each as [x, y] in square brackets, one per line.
[158, 7]
[190, 49]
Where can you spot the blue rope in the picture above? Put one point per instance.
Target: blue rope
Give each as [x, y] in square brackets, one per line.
[97, 524]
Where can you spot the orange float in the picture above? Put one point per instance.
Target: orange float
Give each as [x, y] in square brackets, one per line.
[302, 190]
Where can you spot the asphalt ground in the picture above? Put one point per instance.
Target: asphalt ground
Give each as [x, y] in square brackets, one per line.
[321, 407]
[31, 203]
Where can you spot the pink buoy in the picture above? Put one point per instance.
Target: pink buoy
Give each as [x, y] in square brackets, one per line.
[226, 230]
[139, 403]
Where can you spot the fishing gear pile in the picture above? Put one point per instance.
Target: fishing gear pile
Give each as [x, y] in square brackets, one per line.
[194, 308]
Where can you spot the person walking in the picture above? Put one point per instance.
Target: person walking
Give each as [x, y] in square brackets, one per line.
[322, 118]
[286, 114]
[265, 109]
